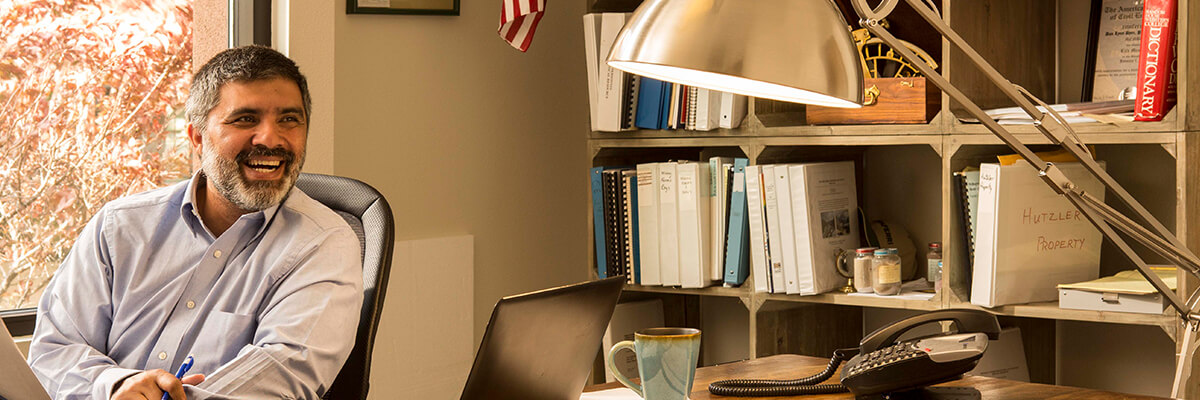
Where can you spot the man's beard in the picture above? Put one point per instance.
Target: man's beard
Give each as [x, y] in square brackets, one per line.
[226, 176]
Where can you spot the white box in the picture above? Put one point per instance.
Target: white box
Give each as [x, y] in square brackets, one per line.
[1004, 358]
[1075, 299]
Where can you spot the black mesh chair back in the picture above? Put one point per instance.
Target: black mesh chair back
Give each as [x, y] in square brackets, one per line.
[368, 213]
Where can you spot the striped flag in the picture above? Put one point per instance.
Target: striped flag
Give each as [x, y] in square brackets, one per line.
[518, 21]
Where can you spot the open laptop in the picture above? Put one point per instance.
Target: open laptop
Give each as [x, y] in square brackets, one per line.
[18, 382]
[541, 345]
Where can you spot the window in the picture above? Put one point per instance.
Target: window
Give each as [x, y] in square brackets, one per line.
[91, 109]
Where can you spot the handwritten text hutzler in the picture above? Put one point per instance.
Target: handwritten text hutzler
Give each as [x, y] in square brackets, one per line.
[1030, 217]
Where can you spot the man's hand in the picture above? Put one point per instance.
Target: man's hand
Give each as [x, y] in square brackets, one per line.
[150, 385]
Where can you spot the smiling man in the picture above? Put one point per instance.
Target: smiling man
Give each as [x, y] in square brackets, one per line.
[235, 267]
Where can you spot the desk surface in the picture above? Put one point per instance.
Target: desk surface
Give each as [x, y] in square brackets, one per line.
[788, 366]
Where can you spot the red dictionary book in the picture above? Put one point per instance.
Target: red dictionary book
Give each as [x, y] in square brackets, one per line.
[1156, 61]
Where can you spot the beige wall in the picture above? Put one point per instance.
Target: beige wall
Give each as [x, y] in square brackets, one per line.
[465, 135]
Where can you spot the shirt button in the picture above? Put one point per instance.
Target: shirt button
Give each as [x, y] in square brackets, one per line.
[162, 355]
[191, 304]
[217, 254]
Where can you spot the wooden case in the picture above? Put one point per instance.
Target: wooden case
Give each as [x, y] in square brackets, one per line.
[898, 101]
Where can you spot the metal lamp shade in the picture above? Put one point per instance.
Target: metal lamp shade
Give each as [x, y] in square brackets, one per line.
[789, 50]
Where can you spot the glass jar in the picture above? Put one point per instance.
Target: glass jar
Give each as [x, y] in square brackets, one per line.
[933, 261]
[862, 269]
[885, 272]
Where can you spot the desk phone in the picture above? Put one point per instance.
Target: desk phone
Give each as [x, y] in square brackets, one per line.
[882, 364]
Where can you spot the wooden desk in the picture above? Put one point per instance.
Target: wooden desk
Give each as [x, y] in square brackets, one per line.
[788, 366]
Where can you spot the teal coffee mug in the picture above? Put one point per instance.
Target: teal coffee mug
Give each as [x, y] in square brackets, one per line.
[666, 359]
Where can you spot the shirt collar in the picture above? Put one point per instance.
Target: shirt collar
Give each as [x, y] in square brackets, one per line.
[189, 213]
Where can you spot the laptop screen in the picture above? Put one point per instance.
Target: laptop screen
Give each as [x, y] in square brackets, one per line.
[541, 345]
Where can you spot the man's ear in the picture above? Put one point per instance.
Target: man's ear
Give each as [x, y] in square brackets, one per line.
[194, 137]
[197, 145]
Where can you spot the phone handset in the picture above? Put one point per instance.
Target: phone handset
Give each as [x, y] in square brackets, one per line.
[965, 320]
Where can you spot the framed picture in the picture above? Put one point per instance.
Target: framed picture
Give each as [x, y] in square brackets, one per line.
[415, 7]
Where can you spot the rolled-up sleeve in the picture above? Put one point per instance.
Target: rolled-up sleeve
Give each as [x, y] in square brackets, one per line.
[305, 331]
[73, 321]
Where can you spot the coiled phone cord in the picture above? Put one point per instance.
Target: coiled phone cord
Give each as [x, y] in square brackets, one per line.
[771, 387]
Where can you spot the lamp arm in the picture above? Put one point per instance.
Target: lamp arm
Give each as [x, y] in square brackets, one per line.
[1054, 130]
[1059, 132]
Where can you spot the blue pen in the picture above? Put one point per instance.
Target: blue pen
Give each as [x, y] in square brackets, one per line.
[183, 369]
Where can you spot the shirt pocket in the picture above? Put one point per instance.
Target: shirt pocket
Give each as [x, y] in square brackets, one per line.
[224, 335]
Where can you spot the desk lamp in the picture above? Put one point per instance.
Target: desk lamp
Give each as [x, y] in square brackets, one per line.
[801, 51]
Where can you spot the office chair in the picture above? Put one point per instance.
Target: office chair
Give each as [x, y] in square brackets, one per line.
[369, 215]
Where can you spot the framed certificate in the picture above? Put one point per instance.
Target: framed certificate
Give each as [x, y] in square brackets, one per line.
[1116, 37]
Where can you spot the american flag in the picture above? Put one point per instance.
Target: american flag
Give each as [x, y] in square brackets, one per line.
[518, 21]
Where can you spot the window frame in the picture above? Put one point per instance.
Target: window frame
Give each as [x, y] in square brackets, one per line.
[21, 321]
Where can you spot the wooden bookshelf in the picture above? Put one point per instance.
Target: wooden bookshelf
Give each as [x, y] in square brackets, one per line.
[1158, 162]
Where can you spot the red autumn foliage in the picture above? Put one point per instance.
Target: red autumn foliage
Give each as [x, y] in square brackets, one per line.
[91, 95]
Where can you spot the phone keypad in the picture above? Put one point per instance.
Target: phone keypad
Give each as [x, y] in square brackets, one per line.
[888, 355]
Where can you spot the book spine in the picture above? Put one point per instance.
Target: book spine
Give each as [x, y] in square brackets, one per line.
[668, 225]
[647, 222]
[714, 208]
[802, 225]
[664, 115]
[774, 239]
[612, 223]
[756, 216]
[718, 197]
[649, 107]
[694, 223]
[983, 270]
[787, 232]
[629, 187]
[691, 108]
[968, 236]
[633, 84]
[591, 24]
[1156, 61]
[597, 178]
[737, 246]
[611, 84]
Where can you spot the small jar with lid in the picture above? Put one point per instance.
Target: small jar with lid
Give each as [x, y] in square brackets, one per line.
[862, 269]
[934, 271]
[885, 272]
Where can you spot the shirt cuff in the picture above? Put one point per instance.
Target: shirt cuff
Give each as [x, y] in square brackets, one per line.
[105, 384]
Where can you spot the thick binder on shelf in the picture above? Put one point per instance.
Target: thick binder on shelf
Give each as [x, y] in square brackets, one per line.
[824, 208]
[647, 201]
[695, 225]
[737, 246]
[1029, 238]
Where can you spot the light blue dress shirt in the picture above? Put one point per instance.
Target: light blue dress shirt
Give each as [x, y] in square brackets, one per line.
[268, 310]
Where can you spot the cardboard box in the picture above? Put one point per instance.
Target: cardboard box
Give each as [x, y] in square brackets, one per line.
[1076, 299]
[899, 101]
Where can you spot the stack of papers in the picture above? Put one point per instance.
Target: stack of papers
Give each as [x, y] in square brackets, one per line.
[1073, 113]
[611, 394]
[1126, 282]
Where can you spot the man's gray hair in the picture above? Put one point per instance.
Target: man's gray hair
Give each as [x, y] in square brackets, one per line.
[241, 64]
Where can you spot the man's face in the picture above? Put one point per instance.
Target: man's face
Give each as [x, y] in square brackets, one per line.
[253, 146]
